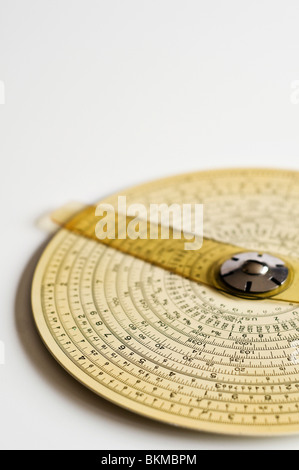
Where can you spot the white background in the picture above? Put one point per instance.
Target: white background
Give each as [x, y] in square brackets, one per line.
[103, 94]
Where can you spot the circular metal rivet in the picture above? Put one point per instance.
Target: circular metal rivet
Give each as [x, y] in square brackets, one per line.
[255, 267]
[254, 272]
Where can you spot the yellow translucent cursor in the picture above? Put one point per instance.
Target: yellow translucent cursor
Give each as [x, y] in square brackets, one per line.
[206, 265]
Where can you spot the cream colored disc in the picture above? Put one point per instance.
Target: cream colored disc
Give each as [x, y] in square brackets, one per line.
[169, 348]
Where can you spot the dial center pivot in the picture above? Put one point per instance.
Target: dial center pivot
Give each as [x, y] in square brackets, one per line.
[254, 272]
[255, 268]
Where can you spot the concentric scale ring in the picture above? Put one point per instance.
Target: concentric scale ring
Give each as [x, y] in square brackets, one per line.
[171, 349]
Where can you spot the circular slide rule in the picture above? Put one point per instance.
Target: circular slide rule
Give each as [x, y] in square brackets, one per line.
[173, 348]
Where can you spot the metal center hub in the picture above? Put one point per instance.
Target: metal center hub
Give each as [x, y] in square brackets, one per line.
[255, 268]
[254, 272]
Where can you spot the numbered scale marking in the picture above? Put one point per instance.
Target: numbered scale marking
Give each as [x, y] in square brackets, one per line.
[170, 348]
